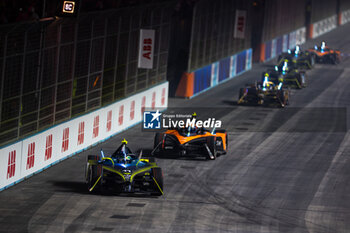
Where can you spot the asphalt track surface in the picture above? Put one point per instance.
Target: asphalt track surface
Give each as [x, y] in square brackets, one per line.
[286, 170]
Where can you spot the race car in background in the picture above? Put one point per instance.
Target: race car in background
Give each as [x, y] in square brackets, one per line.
[266, 93]
[123, 171]
[288, 73]
[302, 59]
[324, 54]
[191, 142]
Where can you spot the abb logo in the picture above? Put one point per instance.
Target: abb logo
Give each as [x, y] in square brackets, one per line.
[65, 140]
[240, 23]
[132, 110]
[121, 115]
[163, 96]
[96, 126]
[147, 48]
[11, 167]
[143, 105]
[81, 133]
[109, 121]
[48, 148]
[31, 155]
[154, 100]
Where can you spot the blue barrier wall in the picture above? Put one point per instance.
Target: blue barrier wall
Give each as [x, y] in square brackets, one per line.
[224, 69]
[202, 79]
[241, 61]
[279, 45]
[268, 46]
[229, 67]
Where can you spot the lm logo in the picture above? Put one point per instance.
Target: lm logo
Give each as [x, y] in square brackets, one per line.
[151, 120]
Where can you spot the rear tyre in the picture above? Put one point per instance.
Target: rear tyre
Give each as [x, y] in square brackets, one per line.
[211, 143]
[241, 93]
[157, 139]
[158, 181]
[93, 173]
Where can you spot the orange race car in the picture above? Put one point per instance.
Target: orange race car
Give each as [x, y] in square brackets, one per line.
[191, 142]
[324, 54]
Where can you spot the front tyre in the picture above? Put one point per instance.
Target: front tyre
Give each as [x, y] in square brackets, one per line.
[211, 147]
[93, 173]
[157, 176]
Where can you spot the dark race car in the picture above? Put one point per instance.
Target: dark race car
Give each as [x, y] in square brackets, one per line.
[266, 93]
[288, 73]
[124, 172]
[302, 59]
[324, 54]
[191, 142]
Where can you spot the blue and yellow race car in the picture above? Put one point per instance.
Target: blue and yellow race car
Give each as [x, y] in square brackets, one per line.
[124, 172]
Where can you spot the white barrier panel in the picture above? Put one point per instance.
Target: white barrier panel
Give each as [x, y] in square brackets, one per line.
[248, 60]
[292, 40]
[40, 151]
[273, 48]
[300, 36]
[233, 65]
[285, 44]
[345, 17]
[10, 164]
[323, 26]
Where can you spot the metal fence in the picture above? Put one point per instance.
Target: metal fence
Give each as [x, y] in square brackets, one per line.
[53, 70]
[282, 17]
[212, 33]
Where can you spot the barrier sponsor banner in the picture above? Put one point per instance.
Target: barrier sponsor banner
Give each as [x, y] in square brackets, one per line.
[248, 62]
[214, 74]
[240, 24]
[300, 36]
[292, 40]
[345, 17]
[146, 47]
[273, 48]
[323, 26]
[218, 72]
[38, 152]
[233, 65]
[10, 164]
[285, 43]
[224, 69]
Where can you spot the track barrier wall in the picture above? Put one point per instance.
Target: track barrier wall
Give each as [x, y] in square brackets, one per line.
[276, 46]
[344, 17]
[40, 151]
[323, 26]
[200, 80]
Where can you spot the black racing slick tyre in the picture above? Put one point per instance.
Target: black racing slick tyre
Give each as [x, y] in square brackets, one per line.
[93, 173]
[157, 175]
[211, 143]
[241, 93]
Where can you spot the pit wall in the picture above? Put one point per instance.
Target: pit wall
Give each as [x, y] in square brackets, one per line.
[36, 153]
[201, 80]
[344, 17]
[276, 46]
